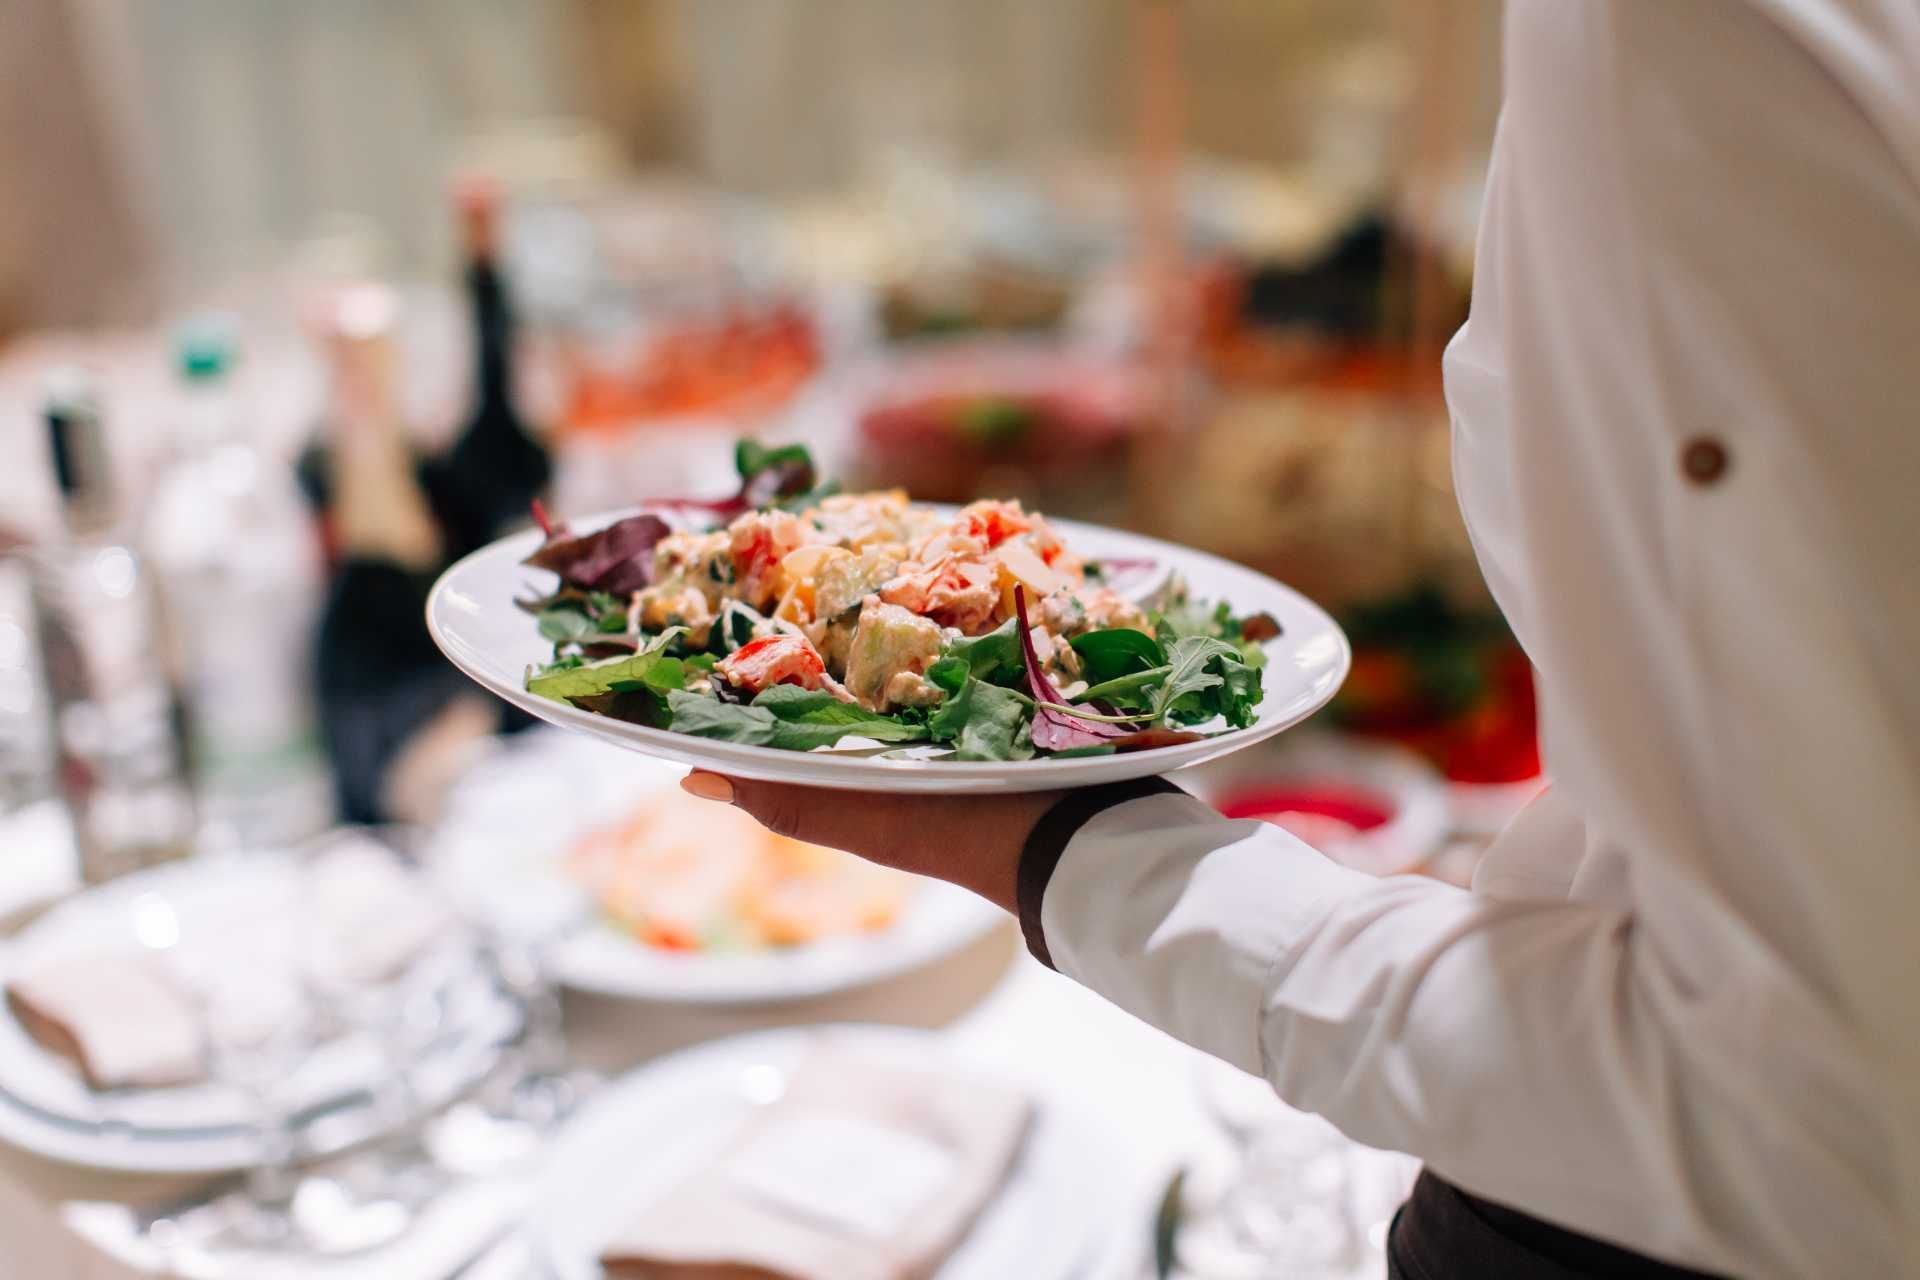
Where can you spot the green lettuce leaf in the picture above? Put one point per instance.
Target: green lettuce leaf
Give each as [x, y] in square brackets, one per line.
[786, 717]
[983, 722]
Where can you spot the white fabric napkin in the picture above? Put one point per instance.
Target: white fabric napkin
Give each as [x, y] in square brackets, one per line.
[115, 1015]
[861, 1171]
[379, 917]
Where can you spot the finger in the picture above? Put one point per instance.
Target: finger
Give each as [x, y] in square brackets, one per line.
[869, 825]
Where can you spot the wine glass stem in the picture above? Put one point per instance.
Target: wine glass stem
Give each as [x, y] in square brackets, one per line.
[271, 1180]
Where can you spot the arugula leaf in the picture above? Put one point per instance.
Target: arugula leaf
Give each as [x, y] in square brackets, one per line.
[1204, 678]
[1134, 691]
[983, 722]
[994, 656]
[1187, 671]
[1117, 651]
[1185, 617]
[1240, 691]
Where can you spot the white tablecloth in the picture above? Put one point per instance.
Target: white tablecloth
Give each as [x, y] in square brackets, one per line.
[1009, 1013]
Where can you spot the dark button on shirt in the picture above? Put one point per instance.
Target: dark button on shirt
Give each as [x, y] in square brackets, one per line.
[1704, 460]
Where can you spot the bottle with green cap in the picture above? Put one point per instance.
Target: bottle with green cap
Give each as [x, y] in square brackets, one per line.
[120, 766]
[237, 556]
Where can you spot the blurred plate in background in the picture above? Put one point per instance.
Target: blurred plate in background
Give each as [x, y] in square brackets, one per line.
[503, 857]
[204, 914]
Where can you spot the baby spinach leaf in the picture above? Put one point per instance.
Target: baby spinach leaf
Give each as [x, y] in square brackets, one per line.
[818, 709]
[648, 670]
[1115, 652]
[705, 717]
[563, 626]
[994, 656]
[636, 706]
[788, 717]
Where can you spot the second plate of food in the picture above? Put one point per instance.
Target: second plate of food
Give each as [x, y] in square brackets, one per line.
[647, 893]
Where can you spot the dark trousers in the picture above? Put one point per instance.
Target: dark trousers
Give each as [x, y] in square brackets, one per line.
[1442, 1233]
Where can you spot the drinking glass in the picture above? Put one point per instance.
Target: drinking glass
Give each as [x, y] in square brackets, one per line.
[1285, 1205]
[259, 1028]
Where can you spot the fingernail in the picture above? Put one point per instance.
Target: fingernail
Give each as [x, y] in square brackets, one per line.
[708, 786]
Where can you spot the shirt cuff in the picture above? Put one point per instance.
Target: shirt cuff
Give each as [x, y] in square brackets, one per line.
[1049, 841]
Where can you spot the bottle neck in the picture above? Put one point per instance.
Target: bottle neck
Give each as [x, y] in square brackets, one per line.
[493, 340]
[208, 415]
[81, 473]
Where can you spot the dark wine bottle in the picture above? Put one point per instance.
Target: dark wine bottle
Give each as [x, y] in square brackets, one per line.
[484, 484]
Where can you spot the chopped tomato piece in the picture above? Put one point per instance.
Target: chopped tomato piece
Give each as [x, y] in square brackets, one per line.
[761, 664]
[994, 522]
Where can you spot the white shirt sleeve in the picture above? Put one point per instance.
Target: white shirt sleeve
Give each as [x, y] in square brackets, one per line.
[1679, 1011]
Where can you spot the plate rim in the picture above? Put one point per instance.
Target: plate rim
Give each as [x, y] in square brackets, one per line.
[856, 774]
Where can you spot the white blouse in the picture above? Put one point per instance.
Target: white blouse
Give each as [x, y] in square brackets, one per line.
[1680, 1009]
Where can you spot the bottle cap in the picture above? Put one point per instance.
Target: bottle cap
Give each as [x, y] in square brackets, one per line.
[205, 346]
[478, 197]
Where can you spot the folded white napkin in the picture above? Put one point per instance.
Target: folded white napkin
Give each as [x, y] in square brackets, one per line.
[860, 1172]
[378, 916]
[115, 1015]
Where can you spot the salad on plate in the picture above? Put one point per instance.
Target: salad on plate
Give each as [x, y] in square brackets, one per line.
[795, 617]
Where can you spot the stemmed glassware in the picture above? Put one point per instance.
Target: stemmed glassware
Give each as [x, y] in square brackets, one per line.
[535, 1087]
[258, 1028]
[1284, 1204]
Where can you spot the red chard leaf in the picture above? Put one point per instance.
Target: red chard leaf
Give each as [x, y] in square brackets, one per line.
[617, 559]
[1148, 739]
[1056, 730]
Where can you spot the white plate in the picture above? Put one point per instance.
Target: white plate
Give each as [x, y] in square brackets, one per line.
[513, 818]
[1071, 1187]
[47, 1108]
[475, 622]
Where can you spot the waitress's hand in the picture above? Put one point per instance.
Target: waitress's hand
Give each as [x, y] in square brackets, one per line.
[972, 841]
